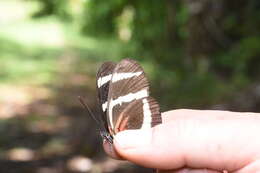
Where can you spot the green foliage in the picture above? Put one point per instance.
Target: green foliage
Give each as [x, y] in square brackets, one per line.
[161, 32]
[19, 64]
[53, 7]
[100, 17]
[205, 49]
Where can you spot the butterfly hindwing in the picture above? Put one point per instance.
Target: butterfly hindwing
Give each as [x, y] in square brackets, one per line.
[155, 112]
[128, 85]
[139, 114]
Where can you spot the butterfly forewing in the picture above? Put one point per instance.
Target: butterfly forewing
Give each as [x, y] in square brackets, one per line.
[104, 76]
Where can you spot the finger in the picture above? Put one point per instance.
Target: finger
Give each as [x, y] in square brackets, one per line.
[167, 117]
[187, 170]
[180, 114]
[214, 142]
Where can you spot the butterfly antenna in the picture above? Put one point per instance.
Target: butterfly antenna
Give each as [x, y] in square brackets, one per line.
[89, 110]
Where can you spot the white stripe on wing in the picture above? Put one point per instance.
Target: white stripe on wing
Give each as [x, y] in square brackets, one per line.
[116, 77]
[147, 121]
[121, 76]
[104, 79]
[104, 106]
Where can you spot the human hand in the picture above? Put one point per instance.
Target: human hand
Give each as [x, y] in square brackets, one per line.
[194, 141]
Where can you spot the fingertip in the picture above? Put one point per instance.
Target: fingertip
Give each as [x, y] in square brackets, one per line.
[134, 145]
[130, 139]
[138, 147]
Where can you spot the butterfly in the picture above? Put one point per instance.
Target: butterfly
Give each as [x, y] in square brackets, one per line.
[123, 99]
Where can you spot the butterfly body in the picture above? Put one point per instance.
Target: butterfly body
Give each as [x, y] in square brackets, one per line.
[123, 97]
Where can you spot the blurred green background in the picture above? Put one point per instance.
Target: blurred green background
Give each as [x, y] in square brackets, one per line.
[199, 54]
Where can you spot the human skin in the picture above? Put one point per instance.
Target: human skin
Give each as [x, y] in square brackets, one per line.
[194, 141]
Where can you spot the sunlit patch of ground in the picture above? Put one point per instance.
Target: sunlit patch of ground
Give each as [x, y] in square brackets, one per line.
[32, 110]
[15, 100]
[47, 33]
[80, 164]
[21, 154]
[16, 14]
[15, 10]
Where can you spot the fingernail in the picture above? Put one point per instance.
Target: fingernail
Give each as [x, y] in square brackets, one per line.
[133, 138]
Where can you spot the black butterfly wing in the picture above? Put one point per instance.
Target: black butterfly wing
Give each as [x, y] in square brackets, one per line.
[103, 77]
[128, 97]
